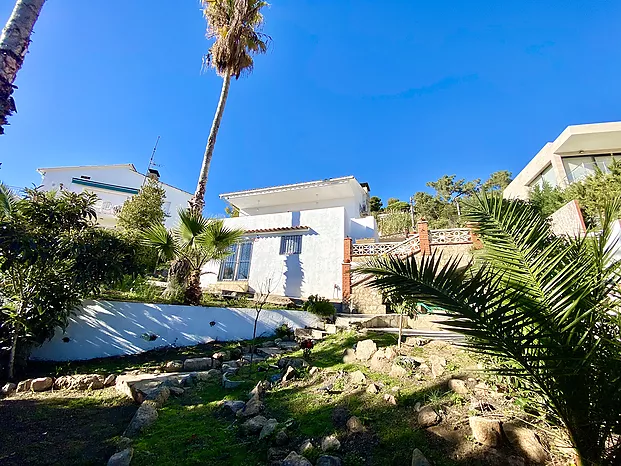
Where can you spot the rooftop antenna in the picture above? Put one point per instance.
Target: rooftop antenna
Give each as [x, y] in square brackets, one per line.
[151, 164]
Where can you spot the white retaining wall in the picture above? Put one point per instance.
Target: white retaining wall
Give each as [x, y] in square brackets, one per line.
[111, 328]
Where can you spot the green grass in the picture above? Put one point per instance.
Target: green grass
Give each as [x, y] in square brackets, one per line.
[191, 431]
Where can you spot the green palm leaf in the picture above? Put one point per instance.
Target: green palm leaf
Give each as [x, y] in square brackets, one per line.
[162, 240]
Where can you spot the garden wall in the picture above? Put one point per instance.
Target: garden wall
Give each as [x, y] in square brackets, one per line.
[111, 328]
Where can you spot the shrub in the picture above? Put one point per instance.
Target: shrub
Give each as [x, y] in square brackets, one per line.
[319, 306]
[284, 331]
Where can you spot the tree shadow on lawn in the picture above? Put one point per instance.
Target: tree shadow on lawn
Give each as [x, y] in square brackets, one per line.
[58, 430]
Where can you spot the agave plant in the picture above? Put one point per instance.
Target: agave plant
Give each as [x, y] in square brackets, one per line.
[547, 304]
[193, 243]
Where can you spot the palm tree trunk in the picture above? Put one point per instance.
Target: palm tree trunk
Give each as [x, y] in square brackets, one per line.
[14, 43]
[197, 203]
[194, 292]
[14, 341]
[400, 330]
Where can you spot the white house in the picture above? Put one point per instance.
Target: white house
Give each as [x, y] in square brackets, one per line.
[576, 153]
[294, 237]
[113, 184]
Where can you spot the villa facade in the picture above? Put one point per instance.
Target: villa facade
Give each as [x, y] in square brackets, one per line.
[113, 185]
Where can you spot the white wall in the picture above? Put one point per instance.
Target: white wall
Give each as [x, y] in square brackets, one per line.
[120, 176]
[317, 270]
[107, 328]
[364, 227]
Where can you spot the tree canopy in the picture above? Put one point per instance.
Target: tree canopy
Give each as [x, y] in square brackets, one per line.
[143, 209]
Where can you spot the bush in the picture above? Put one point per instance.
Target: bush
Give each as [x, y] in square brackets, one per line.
[319, 306]
[283, 331]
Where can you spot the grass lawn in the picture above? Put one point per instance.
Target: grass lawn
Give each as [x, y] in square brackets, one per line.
[62, 427]
[192, 430]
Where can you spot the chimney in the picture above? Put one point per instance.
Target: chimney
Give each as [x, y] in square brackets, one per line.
[153, 174]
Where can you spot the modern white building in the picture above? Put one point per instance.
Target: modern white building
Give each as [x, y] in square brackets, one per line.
[294, 238]
[576, 153]
[113, 184]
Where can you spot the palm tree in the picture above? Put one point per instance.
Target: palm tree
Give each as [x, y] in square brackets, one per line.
[548, 305]
[14, 43]
[191, 245]
[235, 25]
[8, 202]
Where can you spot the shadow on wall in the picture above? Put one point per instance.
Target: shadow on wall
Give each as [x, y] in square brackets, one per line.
[294, 276]
[107, 328]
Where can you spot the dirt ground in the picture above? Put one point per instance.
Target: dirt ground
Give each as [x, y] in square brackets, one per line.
[62, 427]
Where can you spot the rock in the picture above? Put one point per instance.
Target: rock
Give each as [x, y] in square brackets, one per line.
[330, 443]
[289, 374]
[222, 356]
[327, 460]
[144, 417]
[306, 445]
[254, 425]
[293, 459]
[230, 384]
[158, 396]
[23, 386]
[41, 384]
[526, 442]
[427, 417]
[259, 390]
[233, 406]
[197, 364]
[176, 391]
[296, 363]
[123, 442]
[365, 349]
[8, 389]
[313, 370]
[268, 429]
[231, 367]
[390, 399]
[208, 376]
[109, 380]
[417, 406]
[414, 341]
[357, 378]
[438, 364]
[458, 386]
[349, 357]
[276, 455]
[340, 415]
[288, 345]
[486, 431]
[397, 371]
[252, 408]
[372, 388]
[173, 366]
[418, 459]
[354, 425]
[189, 380]
[281, 437]
[122, 458]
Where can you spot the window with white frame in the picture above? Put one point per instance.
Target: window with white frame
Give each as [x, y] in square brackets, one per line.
[291, 244]
[236, 266]
[547, 176]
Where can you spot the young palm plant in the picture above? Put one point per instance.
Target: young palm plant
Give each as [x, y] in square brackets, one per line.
[193, 243]
[236, 27]
[547, 304]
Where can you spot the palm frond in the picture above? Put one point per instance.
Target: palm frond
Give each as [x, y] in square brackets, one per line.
[191, 226]
[8, 201]
[162, 240]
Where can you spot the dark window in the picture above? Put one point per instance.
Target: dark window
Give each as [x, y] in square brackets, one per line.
[237, 265]
[291, 244]
[84, 177]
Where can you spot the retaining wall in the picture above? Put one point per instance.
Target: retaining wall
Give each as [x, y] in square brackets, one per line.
[113, 328]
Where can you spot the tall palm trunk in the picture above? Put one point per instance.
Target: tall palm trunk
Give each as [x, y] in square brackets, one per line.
[13, 353]
[197, 203]
[14, 43]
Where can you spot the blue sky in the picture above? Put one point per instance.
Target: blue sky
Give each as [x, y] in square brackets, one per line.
[396, 93]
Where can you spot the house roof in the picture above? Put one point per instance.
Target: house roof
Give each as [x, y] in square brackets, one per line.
[277, 230]
[329, 188]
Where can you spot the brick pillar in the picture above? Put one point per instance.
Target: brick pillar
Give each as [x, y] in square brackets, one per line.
[347, 252]
[423, 234]
[476, 241]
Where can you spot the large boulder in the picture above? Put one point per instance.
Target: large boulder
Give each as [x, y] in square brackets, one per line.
[158, 396]
[296, 363]
[330, 443]
[486, 431]
[109, 380]
[428, 417]
[438, 363]
[208, 376]
[365, 349]
[268, 429]
[197, 364]
[8, 389]
[357, 378]
[526, 442]
[24, 386]
[80, 382]
[253, 426]
[458, 386]
[253, 407]
[418, 459]
[122, 458]
[41, 384]
[173, 366]
[398, 371]
[144, 417]
[233, 407]
[293, 459]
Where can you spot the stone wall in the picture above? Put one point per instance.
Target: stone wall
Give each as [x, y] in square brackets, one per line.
[366, 300]
[568, 221]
